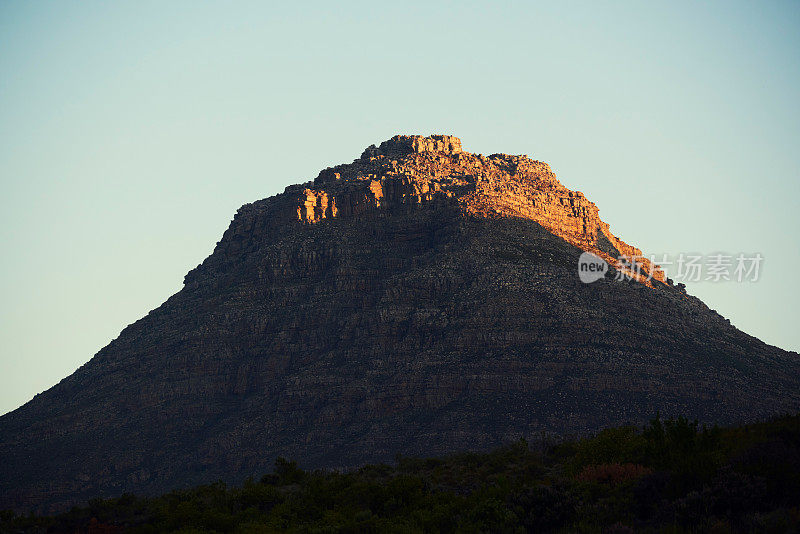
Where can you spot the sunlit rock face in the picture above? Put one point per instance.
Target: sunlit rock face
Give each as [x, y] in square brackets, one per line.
[419, 300]
[408, 170]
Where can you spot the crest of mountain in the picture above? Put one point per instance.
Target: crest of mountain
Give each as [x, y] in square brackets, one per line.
[419, 300]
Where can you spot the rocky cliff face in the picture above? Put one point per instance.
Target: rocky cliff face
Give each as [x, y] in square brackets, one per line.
[405, 171]
[419, 300]
[414, 169]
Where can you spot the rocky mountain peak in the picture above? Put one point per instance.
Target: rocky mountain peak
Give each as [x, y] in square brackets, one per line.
[412, 169]
[407, 172]
[407, 144]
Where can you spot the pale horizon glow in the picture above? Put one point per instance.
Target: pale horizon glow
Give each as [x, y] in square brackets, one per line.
[131, 132]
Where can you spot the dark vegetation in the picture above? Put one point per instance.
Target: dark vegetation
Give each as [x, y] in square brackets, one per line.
[670, 476]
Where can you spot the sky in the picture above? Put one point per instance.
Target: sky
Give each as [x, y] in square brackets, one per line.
[130, 132]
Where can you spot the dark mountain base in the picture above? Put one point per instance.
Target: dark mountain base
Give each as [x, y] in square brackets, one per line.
[669, 476]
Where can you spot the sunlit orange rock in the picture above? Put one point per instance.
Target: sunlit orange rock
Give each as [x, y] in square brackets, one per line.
[414, 169]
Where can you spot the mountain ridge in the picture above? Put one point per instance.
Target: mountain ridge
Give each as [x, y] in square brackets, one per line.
[412, 169]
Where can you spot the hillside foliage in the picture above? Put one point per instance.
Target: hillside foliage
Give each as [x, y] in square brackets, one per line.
[670, 476]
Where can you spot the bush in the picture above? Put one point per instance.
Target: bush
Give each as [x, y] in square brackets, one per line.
[671, 475]
[613, 474]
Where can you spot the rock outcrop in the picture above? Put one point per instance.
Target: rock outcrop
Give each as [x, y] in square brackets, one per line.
[408, 170]
[418, 300]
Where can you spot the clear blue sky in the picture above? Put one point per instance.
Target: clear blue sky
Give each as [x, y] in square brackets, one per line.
[130, 132]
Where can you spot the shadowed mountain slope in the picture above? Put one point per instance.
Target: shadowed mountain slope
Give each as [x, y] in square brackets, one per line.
[420, 300]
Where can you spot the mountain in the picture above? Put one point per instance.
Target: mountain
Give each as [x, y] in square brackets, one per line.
[419, 300]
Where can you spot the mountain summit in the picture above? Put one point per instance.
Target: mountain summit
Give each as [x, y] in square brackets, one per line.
[409, 170]
[418, 300]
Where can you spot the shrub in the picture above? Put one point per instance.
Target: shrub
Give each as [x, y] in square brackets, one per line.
[613, 474]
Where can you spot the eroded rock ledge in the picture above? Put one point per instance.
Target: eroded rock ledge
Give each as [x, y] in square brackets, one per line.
[408, 171]
[412, 169]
